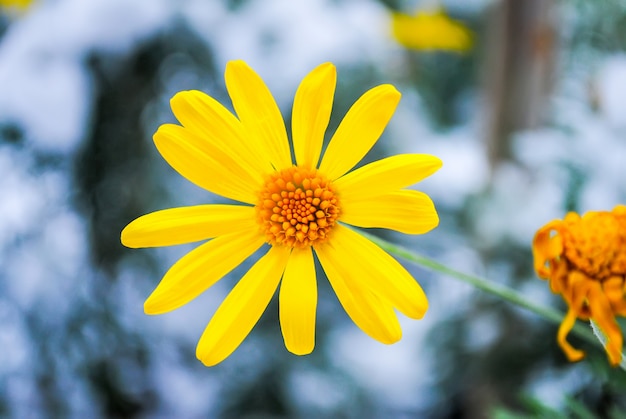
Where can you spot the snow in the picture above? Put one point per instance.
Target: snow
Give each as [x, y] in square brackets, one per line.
[44, 85]
[26, 200]
[611, 85]
[269, 35]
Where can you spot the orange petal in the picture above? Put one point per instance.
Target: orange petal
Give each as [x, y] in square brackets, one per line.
[613, 289]
[603, 315]
[543, 250]
[572, 354]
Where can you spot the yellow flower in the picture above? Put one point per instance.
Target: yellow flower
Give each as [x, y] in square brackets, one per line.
[294, 207]
[430, 30]
[17, 4]
[584, 258]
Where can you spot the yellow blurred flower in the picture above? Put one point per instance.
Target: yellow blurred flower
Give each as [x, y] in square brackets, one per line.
[584, 258]
[297, 207]
[16, 4]
[430, 30]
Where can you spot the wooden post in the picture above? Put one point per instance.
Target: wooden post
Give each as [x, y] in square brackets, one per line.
[519, 71]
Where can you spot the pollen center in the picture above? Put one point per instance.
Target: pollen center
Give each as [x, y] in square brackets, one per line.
[596, 245]
[297, 207]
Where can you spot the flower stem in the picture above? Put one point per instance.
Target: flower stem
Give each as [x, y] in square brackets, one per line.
[490, 287]
[602, 338]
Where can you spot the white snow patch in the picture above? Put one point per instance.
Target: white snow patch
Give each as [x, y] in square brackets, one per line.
[611, 86]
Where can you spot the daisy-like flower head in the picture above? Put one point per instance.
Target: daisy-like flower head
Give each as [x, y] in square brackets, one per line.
[430, 31]
[298, 208]
[584, 258]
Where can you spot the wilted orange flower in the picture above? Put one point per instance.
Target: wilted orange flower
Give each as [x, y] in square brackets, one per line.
[584, 258]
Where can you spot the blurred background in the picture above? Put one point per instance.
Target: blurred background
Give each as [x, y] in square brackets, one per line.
[530, 121]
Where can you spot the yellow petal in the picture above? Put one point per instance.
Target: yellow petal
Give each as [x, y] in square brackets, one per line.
[406, 211]
[187, 224]
[258, 112]
[370, 313]
[205, 165]
[365, 263]
[386, 175]
[200, 269]
[311, 112]
[298, 301]
[572, 354]
[242, 308]
[359, 130]
[213, 123]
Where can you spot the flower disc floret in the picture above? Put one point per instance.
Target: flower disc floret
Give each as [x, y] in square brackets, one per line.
[595, 245]
[298, 207]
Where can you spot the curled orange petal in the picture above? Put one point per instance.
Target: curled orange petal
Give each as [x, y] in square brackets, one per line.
[603, 315]
[572, 353]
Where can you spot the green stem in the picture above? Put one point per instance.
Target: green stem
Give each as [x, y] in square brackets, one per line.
[602, 338]
[493, 288]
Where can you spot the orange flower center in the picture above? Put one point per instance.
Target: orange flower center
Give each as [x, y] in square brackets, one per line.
[298, 207]
[596, 244]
